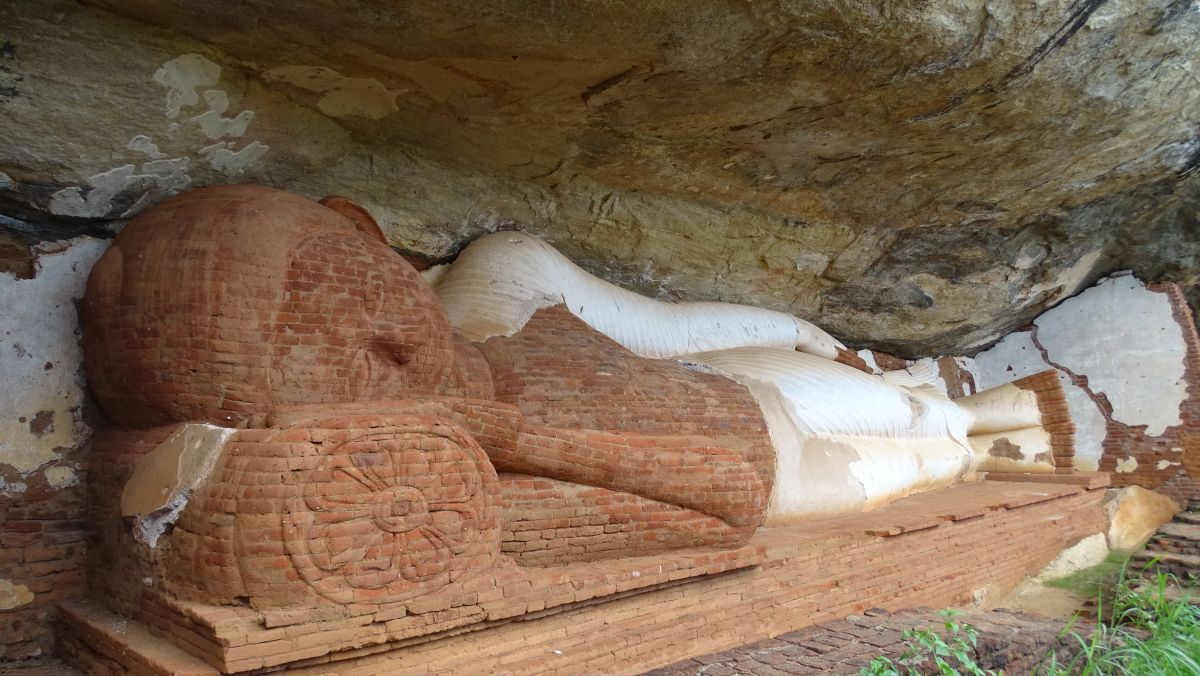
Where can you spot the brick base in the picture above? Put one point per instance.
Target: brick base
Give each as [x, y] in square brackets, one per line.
[935, 549]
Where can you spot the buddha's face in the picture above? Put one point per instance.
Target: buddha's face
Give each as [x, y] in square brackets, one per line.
[357, 323]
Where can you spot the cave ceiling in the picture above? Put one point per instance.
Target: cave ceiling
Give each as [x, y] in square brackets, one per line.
[916, 177]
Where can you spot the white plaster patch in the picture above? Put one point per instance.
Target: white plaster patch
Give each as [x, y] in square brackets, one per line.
[145, 144]
[224, 159]
[1164, 464]
[61, 476]
[40, 355]
[341, 95]
[156, 178]
[13, 595]
[1127, 465]
[869, 357]
[212, 122]
[181, 76]
[162, 177]
[13, 488]
[1125, 340]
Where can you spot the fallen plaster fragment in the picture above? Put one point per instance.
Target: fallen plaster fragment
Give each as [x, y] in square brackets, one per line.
[341, 96]
[1127, 465]
[181, 76]
[13, 595]
[165, 478]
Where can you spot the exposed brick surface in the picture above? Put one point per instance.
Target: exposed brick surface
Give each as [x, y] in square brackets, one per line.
[362, 479]
[221, 303]
[946, 545]
[43, 549]
[561, 373]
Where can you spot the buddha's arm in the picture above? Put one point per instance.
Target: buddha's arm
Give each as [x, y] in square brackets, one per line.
[688, 471]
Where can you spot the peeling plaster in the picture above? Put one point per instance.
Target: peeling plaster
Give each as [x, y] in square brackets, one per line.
[1127, 465]
[214, 125]
[61, 477]
[869, 358]
[13, 488]
[40, 355]
[146, 145]
[341, 96]
[224, 159]
[165, 478]
[1121, 337]
[181, 76]
[1133, 353]
[160, 178]
[1069, 280]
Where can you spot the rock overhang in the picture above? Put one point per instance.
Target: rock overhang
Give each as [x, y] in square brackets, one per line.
[920, 180]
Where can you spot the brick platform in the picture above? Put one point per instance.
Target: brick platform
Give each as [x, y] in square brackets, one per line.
[1011, 641]
[935, 549]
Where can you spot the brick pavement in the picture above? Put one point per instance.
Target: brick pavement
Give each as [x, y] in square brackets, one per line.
[1008, 640]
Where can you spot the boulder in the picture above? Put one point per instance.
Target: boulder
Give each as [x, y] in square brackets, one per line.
[1134, 514]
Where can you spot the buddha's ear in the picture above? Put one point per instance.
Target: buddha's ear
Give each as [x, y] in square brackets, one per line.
[356, 214]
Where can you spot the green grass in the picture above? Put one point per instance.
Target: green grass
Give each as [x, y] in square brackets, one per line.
[1144, 633]
[1090, 582]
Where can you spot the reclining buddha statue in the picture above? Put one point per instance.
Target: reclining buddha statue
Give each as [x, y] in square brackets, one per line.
[298, 416]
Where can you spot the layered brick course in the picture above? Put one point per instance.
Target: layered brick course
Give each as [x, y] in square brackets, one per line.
[562, 373]
[43, 549]
[957, 543]
[1056, 417]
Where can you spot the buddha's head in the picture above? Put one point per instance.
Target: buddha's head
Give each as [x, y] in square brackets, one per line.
[219, 304]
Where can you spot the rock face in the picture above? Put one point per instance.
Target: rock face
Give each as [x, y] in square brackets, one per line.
[1134, 514]
[919, 178]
